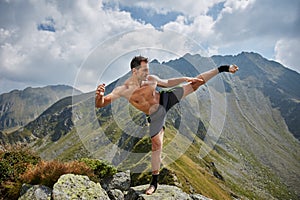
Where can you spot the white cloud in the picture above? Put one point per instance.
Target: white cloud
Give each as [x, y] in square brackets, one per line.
[200, 29]
[5, 34]
[44, 57]
[287, 52]
[266, 19]
[187, 7]
[233, 5]
[11, 58]
[204, 29]
[114, 54]
[35, 57]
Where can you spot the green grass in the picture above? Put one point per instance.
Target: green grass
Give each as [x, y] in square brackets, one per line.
[191, 175]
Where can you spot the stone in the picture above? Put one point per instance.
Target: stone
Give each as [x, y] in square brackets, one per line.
[70, 186]
[115, 194]
[164, 192]
[35, 192]
[199, 197]
[120, 181]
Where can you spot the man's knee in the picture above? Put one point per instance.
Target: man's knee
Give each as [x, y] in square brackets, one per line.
[156, 145]
[157, 142]
[196, 85]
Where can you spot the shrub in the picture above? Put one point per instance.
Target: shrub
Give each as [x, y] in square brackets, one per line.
[102, 169]
[10, 190]
[14, 160]
[18, 165]
[48, 172]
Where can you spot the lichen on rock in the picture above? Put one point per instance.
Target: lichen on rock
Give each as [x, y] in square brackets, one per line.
[70, 186]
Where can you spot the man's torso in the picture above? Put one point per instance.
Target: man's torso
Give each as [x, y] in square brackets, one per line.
[144, 97]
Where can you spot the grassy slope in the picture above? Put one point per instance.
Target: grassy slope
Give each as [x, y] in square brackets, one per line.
[264, 153]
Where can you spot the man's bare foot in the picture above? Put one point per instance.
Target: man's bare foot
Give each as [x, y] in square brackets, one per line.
[233, 68]
[151, 189]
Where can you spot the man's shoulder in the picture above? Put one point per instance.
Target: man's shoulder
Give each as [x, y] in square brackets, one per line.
[121, 88]
[152, 77]
[125, 89]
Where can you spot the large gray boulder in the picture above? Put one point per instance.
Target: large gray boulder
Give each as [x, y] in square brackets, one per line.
[164, 192]
[70, 186]
[35, 192]
[120, 181]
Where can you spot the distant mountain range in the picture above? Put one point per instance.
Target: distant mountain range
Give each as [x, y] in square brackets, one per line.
[19, 107]
[238, 136]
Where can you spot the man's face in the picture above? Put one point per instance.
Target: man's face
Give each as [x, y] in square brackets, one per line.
[143, 71]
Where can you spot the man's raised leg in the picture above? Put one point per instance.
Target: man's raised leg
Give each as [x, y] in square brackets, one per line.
[206, 76]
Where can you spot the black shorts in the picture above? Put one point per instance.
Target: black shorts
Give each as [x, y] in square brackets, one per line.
[167, 100]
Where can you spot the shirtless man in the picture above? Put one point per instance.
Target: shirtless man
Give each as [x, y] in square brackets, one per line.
[140, 91]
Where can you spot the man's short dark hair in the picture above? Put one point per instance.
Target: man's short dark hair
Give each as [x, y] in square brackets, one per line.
[136, 61]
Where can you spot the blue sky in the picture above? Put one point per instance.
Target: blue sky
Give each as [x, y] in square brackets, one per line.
[81, 43]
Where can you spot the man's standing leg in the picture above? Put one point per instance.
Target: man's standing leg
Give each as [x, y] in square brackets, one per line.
[157, 145]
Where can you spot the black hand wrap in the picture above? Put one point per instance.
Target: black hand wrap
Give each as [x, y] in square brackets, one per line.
[223, 68]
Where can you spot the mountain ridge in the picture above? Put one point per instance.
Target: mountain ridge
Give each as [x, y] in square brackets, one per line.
[19, 107]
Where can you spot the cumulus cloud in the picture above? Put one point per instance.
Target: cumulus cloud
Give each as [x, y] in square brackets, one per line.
[287, 52]
[49, 41]
[45, 42]
[187, 8]
[258, 19]
[36, 52]
[101, 66]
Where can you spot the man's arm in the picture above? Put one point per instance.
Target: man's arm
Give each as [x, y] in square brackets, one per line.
[174, 81]
[101, 100]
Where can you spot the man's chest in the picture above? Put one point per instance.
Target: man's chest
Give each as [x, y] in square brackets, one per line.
[143, 92]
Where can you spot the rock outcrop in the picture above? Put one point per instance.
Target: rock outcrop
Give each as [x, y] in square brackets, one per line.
[164, 192]
[35, 192]
[119, 181]
[70, 186]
